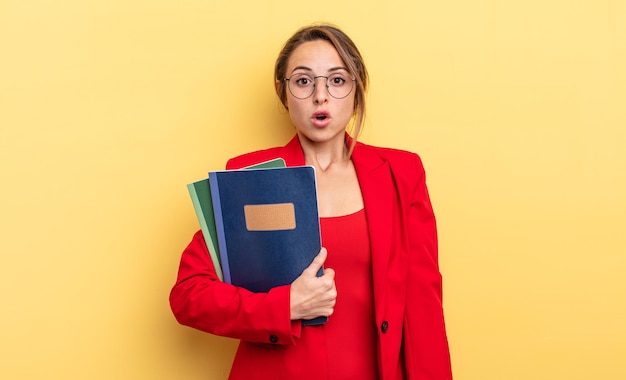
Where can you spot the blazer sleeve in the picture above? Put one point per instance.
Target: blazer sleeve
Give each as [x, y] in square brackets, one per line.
[200, 300]
[426, 345]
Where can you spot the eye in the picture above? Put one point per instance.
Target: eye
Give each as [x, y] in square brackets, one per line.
[302, 81]
[337, 80]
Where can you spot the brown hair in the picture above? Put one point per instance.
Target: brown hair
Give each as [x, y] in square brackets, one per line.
[348, 52]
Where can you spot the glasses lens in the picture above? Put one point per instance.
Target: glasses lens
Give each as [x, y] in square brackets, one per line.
[301, 86]
[339, 85]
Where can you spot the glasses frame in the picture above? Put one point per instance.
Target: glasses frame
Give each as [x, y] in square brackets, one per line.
[315, 85]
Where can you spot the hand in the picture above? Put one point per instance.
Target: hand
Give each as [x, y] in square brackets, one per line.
[313, 296]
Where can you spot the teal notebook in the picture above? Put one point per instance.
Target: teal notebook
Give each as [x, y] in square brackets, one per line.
[200, 192]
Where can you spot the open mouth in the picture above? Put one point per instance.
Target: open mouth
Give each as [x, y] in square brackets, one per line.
[321, 115]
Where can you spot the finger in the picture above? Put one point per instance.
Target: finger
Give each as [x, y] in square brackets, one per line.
[317, 262]
[329, 272]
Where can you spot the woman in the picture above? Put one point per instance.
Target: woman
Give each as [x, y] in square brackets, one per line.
[381, 288]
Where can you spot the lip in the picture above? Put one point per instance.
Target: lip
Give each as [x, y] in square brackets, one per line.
[321, 119]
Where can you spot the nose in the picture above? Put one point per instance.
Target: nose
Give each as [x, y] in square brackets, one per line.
[320, 91]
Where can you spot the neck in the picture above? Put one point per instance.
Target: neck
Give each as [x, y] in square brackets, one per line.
[326, 155]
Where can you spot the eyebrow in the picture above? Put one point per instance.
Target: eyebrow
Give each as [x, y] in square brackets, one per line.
[337, 68]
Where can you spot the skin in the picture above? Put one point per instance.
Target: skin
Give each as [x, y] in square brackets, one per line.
[324, 148]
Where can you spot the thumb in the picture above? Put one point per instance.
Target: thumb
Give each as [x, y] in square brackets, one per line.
[317, 262]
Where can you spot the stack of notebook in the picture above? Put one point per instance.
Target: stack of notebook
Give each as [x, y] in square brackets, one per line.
[260, 224]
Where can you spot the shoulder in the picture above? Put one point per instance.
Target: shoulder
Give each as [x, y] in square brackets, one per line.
[400, 161]
[253, 158]
[401, 169]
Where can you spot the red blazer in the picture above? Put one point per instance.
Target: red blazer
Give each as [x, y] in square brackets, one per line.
[406, 277]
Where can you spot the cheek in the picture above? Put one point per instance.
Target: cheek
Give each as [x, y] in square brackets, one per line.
[296, 113]
[350, 107]
[294, 107]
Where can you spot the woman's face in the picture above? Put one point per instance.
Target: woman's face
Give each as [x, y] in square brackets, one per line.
[321, 117]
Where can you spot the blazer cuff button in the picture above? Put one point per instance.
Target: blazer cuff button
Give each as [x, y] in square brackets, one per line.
[273, 338]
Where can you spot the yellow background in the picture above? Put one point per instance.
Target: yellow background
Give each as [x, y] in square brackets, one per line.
[108, 109]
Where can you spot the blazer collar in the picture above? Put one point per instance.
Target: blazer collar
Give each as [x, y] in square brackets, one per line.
[292, 153]
[364, 156]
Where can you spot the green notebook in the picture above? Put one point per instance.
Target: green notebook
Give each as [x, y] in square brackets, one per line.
[200, 192]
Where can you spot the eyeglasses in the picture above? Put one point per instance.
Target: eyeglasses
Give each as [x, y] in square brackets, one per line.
[302, 86]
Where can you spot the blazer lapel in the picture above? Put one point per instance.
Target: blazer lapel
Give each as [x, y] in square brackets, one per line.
[378, 192]
[292, 153]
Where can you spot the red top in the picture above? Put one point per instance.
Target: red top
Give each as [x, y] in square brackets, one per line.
[351, 329]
